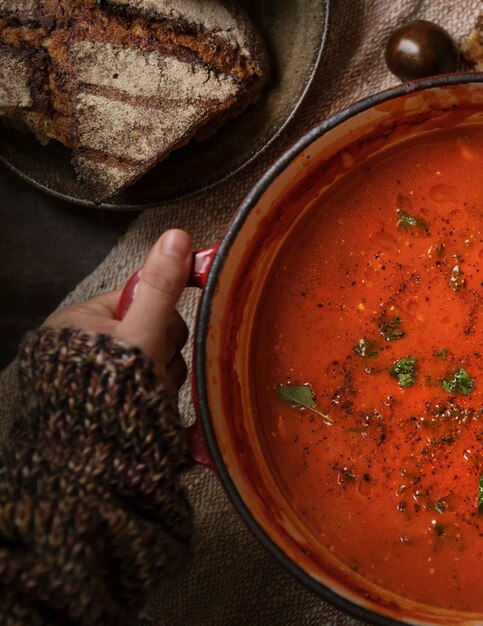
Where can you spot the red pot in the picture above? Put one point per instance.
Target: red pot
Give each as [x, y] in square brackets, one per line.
[232, 275]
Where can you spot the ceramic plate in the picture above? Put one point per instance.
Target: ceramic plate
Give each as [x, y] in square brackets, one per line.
[295, 32]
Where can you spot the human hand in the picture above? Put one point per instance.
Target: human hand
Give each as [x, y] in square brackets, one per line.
[151, 323]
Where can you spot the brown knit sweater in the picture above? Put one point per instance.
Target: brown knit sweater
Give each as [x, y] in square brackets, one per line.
[91, 513]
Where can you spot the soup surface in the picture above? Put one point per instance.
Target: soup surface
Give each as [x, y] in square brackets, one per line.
[371, 318]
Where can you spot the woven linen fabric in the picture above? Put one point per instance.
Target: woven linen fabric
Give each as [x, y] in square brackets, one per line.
[231, 579]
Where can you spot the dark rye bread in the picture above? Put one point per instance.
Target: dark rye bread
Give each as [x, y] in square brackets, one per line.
[125, 82]
[473, 45]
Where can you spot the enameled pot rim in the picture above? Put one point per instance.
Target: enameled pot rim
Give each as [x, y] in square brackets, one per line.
[204, 316]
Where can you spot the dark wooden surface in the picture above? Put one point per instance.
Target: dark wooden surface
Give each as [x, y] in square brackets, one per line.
[46, 248]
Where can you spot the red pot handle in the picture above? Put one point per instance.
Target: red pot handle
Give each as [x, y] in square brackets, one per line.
[199, 273]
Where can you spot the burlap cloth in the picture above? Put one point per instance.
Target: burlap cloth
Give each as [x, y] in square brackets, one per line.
[231, 579]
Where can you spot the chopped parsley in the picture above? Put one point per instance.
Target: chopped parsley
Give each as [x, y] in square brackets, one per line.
[347, 472]
[480, 495]
[366, 348]
[461, 383]
[407, 221]
[442, 353]
[391, 330]
[405, 371]
[301, 396]
[440, 506]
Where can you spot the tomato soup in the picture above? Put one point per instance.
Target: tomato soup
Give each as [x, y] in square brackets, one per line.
[368, 372]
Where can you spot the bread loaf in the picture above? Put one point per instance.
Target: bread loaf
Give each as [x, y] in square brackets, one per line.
[125, 82]
[473, 45]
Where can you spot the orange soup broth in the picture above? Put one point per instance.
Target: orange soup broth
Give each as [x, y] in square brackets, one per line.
[391, 487]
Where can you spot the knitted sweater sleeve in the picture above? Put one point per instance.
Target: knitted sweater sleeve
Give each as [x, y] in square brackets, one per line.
[91, 513]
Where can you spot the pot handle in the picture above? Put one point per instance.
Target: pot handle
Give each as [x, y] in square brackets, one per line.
[202, 260]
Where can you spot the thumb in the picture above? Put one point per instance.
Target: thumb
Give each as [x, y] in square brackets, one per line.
[163, 278]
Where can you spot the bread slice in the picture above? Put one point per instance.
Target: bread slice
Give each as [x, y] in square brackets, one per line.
[15, 80]
[473, 45]
[125, 82]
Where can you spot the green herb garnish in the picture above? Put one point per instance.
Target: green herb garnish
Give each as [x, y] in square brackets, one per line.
[440, 506]
[391, 330]
[480, 495]
[366, 348]
[347, 472]
[405, 371]
[461, 383]
[301, 396]
[442, 353]
[407, 221]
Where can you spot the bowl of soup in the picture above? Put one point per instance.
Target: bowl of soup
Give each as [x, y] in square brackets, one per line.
[338, 356]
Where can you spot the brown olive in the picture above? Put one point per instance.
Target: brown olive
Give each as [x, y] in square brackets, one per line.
[419, 49]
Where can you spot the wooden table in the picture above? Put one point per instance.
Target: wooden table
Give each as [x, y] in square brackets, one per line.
[46, 247]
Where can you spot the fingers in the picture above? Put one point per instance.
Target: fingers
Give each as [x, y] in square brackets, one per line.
[77, 318]
[163, 278]
[104, 305]
[96, 314]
